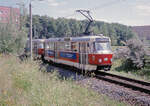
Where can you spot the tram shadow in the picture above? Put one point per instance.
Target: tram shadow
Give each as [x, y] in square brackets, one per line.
[63, 72]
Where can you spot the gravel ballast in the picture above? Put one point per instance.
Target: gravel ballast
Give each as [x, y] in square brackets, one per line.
[113, 91]
[117, 92]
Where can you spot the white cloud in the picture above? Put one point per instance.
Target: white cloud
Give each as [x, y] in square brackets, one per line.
[55, 3]
[143, 9]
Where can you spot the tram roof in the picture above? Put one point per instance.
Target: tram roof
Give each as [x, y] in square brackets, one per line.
[38, 40]
[82, 39]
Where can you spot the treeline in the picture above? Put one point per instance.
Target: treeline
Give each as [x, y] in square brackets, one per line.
[46, 27]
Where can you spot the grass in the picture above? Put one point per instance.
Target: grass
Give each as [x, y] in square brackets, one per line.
[23, 84]
[119, 68]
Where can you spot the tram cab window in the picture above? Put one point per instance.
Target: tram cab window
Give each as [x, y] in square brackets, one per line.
[101, 46]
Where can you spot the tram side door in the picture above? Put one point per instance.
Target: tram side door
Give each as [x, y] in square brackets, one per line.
[55, 50]
[83, 55]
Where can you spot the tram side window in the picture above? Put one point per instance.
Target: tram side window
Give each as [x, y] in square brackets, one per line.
[83, 47]
[47, 45]
[88, 48]
[40, 45]
[74, 46]
[94, 48]
[51, 45]
[67, 46]
[91, 47]
[58, 45]
[61, 45]
[34, 45]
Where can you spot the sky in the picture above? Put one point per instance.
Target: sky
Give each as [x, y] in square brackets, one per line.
[128, 12]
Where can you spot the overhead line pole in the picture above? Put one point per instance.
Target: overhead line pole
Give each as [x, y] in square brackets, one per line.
[30, 11]
[21, 6]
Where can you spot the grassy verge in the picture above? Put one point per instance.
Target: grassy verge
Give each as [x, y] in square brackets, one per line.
[22, 84]
[119, 68]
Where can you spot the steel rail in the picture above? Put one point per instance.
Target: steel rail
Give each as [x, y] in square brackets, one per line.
[101, 75]
[124, 78]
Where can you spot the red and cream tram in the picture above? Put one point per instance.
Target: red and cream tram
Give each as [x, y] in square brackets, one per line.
[86, 53]
[38, 47]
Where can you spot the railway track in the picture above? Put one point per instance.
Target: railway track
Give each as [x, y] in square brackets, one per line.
[138, 92]
[136, 85]
[133, 84]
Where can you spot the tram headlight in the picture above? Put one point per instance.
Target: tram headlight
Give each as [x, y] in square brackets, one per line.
[100, 60]
[105, 59]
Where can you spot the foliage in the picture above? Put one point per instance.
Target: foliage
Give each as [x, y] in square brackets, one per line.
[13, 36]
[120, 67]
[12, 40]
[46, 27]
[135, 55]
[133, 61]
[22, 83]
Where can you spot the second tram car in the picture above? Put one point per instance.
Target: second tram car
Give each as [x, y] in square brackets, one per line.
[38, 47]
[86, 53]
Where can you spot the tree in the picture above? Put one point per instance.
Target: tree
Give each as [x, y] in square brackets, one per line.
[136, 53]
[48, 27]
[13, 36]
[12, 40]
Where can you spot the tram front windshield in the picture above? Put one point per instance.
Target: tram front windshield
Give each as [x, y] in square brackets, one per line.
[101, 46]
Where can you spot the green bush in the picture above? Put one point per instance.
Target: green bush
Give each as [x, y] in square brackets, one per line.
[12, 40]
[133, 58]
[134, 53]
